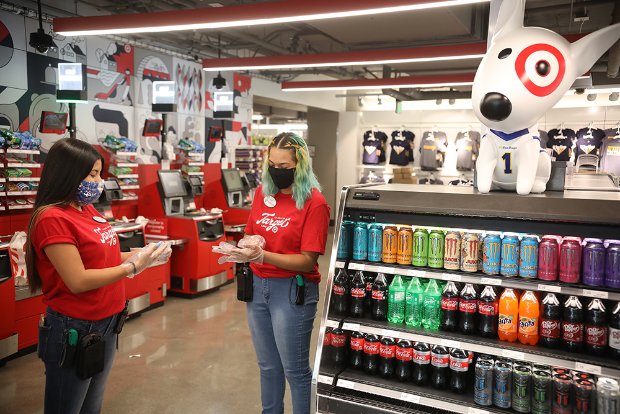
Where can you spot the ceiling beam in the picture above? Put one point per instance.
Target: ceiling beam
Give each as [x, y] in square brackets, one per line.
[402, 82]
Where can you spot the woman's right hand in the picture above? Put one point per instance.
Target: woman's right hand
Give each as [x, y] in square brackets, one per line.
[143, 258]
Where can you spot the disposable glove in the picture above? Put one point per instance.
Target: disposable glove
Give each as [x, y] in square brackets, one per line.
[143, 258]
[250, 250]
[164, 256]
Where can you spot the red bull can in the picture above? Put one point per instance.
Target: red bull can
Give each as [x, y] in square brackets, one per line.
[528, 258]
[452, 251]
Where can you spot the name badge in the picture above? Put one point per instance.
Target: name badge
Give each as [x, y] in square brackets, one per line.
[270, 201]
[99, 219]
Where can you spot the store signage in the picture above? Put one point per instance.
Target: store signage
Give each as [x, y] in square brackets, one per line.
[223, 104]
[71, 83]
[157, 227]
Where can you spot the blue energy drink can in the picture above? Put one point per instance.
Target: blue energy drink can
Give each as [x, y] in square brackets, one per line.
[345, 244]
[528, 258]
[510, 255]
[491, 254]
[502, 384]
[375, 242]
[483, 384]
[360, 241]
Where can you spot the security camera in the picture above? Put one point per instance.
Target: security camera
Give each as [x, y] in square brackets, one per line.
[580, 91]
[219, 82]
[41, 41]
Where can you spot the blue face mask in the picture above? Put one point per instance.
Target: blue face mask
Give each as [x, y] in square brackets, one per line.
[88, 192]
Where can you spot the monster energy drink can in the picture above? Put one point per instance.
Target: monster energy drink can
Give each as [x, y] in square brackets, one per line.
[521, 388]
[452, 251]
[435, 249]
[375, 243]
[502, 384]
[541, 391]
[390, 244]
[483, 388]
[470, 248]
[420, 248]
[528, 259]
[360, 241]
[345, 245]
[607, 396]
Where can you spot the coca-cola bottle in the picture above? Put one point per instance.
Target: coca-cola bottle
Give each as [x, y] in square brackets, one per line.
[572, 325]
[404, 356]
[327, 345]
[468, 307]
[369, 278]
[371, 354]
[459, 365]
[340, 293]
[550, 321]
[387, 351]
[339, 347]
[358, 295]
[440, 367]
[379, 298]
[421, 363]
[488, 309]
[614, 333]
[595, 330]
[356, 350]
[449, 308]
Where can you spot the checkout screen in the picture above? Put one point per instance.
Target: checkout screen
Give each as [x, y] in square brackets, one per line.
[232, 178]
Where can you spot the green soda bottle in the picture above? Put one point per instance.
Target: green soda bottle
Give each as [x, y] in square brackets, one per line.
[414, 303]
[432, 306]
[396, 300]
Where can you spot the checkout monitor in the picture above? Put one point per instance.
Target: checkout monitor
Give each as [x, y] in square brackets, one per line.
[111, 185]
[233, 186]
[172, 184]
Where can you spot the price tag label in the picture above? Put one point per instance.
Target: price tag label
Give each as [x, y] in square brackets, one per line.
[418, 273]
[595, 294]
[346, 384]
[405, 396]
[473, 410]
[387, 270]
[351, 326]
[549, 288]
[356, 266]
[590, 369]
[491, 281]
[450, 343]
[507, 353]
[324, 379]
[372, 268]
[450, 277]
[339, 265]
[391, 334]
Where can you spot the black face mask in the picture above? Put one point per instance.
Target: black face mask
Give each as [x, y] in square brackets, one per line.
[282, 177]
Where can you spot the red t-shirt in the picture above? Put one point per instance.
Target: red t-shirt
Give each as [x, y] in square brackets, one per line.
[289, 230]
[99, 248]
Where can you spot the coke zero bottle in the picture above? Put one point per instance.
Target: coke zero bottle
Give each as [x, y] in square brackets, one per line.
[340, 293]
[358, 295]
[379, 298]
[404, 356]
[356, 350]
[614, 333]
[550, 321]
[449, 308]
[339, 347]
[369, 279]
[371, 354]
[488, 309]
[440, 367]
[468, 307]
[421, 363]
[387, 351]
[595, 330]
[459, 365]
[572, 325]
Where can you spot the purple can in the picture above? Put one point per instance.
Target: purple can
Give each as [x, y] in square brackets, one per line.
[593, 261]
[612, 264]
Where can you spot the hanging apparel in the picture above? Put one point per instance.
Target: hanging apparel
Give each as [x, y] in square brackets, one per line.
[433, 150]
[561, 142]
[401, 149]
[544, 138]
[589, 141]
[383, 138]
[610, 156]
[371, 177]
[466, 151]
[475, 136]
[410, 137]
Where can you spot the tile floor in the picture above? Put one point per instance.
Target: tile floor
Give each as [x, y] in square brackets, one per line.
[189, 356]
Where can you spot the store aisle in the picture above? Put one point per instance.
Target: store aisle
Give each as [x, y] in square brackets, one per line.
[189, 356]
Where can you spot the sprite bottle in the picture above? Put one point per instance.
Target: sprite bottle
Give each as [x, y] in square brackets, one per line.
[414, 303]
[432, 306]
[396, 300]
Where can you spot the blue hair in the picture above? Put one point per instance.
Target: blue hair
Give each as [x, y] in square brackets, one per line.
[305, 179]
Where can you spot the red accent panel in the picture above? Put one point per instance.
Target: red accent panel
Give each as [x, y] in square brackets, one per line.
[27, 315]
[7, 308]
[405, 80]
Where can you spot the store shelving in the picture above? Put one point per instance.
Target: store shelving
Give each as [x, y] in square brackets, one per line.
[21, 207]
[19, 151]
[21, 193]
[127, 164]
[130, 187]
[121, 176]
[16, 179]
[23, 165]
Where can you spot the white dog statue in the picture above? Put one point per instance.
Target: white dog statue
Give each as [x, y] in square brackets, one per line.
[524, 73]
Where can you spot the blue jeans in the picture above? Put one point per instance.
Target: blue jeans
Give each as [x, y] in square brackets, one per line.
[281, 332]
[65, 392]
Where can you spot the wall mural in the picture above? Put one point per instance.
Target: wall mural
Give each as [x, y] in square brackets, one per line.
[110, 71]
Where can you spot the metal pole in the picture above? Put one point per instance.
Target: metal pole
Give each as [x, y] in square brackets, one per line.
[72, 127]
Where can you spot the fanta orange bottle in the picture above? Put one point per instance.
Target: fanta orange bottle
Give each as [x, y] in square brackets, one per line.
[529, 310]
[508, 316]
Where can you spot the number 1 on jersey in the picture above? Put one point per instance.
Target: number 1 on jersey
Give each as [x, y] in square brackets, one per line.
[507, 159]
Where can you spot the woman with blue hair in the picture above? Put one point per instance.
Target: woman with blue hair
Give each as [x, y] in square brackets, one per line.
[286, 233]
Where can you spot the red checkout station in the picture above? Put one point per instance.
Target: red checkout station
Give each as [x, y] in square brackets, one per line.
[194, 211]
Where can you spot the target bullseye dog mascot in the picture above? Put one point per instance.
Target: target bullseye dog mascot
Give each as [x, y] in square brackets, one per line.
[525, 72]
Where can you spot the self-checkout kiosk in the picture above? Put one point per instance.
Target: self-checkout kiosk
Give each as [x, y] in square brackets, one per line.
[8, 328]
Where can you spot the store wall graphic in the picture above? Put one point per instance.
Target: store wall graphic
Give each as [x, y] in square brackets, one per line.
[525, 72]
[110, 70]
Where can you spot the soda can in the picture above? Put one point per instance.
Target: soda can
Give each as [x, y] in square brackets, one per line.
[570, 260]
[607, 396]
[375, 242]
[435, 249]
[548, 258]
[452, 251]
[612, 264]
[420, 247]
[483, 383]
[585, 397]
[360, 241]
[562, 384]
[491, 253]
[528, 257]
[539, 367]
[560, 371]
[390, 244]
[470, 247]
[541, 392]
[521, 388]
[405, 246]
[593, 262]
[502, 384]
[510, 255]
[480, 251]
[345, 244]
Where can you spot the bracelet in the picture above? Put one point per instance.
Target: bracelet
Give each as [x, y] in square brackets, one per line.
[134, 269]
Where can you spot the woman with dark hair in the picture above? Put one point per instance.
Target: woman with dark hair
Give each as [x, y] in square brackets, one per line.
[74, 256]
[285, 235]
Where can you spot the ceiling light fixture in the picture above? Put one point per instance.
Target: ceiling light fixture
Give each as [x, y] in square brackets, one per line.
[242, 15]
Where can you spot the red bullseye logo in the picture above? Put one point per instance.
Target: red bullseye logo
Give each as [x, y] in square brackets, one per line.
[541, 69]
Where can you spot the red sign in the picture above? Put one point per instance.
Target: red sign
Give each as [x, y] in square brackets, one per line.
[157, 227]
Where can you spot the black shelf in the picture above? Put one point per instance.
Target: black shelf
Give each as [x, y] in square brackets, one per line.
[598, 365]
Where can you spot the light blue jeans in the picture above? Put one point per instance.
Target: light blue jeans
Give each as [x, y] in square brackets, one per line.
[281, 332]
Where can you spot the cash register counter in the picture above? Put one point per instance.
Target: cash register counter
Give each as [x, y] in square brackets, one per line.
[8, 331]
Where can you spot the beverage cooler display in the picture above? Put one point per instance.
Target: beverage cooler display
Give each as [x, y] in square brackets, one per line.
[449, 301]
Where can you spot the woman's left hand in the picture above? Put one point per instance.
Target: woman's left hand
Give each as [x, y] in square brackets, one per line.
[253, 253]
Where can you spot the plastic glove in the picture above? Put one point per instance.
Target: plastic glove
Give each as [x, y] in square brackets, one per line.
[164, 256]
[252, 254]
[252, 242]
[143, 258]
